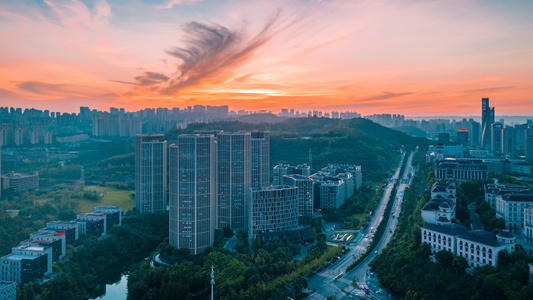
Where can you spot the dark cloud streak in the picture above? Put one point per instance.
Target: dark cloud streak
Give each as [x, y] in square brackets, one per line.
[42, 87]
[211, 53]
[386, 95]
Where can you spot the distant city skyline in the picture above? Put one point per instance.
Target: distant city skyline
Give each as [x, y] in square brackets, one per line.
[405, 57]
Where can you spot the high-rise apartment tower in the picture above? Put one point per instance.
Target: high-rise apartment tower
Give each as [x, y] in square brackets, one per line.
[150, 173]
[260, 158]
[192, 189]
[487, 119]
[234, 165]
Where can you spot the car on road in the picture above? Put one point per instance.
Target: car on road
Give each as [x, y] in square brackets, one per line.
[376, 252]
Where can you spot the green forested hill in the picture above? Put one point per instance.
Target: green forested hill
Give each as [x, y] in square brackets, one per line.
[412, 131]
[355, 141]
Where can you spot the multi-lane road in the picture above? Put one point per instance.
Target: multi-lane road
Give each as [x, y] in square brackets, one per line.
[335, 281]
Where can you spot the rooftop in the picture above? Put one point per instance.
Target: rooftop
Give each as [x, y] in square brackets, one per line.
[506, 234]
[471, 164]
[443, 219]
[500, 188]
[481, 237]
[448, 229]
[441, 187]
[44, 231]
[19, 175]
[19, 256]
[29, 247]
[435, 204]
[523, 197]
[273, 188]
[297, 177]
[92, 214]
[108, 207]
[65, 223]
[39, 242]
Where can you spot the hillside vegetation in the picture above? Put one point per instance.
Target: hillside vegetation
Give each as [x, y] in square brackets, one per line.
[354, 141]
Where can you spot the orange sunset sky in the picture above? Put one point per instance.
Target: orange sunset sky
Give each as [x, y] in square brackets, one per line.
[402, 56]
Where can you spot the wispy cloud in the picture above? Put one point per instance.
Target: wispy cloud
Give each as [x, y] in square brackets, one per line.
[172, 3]
[74, 14]
[387, 95]
[60, 89]
[211, 52]
[487, 90]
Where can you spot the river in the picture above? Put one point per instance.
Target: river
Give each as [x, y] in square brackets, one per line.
[112, 283]
[117, 290]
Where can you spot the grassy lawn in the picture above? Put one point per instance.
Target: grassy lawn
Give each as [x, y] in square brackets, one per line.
[361, 217]
[111, 197]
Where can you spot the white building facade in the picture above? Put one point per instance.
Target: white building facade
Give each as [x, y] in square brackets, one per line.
[494, 191]
[478, 247]
[511, 207]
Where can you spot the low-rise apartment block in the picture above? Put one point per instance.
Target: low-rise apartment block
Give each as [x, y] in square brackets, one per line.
[20, 182]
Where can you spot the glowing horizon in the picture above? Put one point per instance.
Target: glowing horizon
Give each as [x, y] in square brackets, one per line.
[412, 58]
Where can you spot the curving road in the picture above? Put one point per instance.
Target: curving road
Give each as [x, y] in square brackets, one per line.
[334, 281]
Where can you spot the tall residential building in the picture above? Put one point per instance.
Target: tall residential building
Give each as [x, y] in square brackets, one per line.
[260, 158]
[474, 131]
[520, 134]
[487, 119]
[497, 138]
[193, 192]
[150, 173]
[509, 140]
[528, 143]
[234, 166]
[462, 137]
